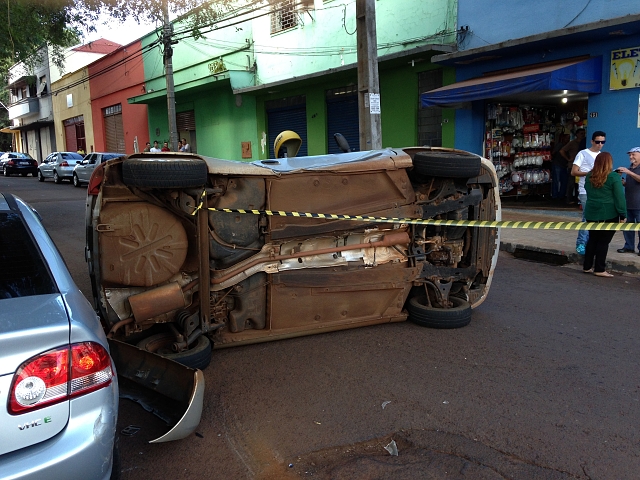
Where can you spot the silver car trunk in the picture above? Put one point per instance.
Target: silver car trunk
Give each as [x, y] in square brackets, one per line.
[29, 326]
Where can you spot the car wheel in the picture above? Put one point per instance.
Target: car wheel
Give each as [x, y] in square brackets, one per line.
[455, 317]
[446, 164]
[197, 356]
[178, 173]
[40, 177]
[5, 172]
[23, 174]
[56, 178]
[76, 181]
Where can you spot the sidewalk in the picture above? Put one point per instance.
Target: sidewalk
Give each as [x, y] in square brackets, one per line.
[558, 246]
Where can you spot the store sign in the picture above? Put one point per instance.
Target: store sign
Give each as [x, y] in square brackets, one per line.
[625, 69]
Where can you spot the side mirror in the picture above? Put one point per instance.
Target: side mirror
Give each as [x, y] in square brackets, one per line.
[342, 142]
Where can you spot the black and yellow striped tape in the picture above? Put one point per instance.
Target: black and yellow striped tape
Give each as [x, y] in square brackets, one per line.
[449, 223]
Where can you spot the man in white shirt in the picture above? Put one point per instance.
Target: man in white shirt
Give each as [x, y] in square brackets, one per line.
[155, 148]
[582, 165]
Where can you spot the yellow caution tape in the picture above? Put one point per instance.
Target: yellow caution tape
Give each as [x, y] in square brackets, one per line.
[628, 227]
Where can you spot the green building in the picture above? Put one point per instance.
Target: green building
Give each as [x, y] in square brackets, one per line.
[292, 65]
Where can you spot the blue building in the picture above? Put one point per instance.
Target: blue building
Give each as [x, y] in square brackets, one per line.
[528, 73]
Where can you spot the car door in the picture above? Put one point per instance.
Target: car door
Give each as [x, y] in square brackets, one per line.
[46, 167]
[84, 168]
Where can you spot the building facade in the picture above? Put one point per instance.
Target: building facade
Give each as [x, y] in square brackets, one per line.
[521, 83]
[292, 65]
[30, 107]
[71, 96]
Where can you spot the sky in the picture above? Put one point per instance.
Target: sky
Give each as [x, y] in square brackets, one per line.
[121, 33]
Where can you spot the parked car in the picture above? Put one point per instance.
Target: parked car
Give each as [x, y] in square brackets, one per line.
[58, 166]
[58, 388]
[199, 244]
[83, 170]
[18, 162]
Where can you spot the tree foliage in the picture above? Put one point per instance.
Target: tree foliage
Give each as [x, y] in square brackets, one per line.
[28, 25]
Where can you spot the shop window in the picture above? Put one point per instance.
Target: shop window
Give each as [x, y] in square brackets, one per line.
[284, 16]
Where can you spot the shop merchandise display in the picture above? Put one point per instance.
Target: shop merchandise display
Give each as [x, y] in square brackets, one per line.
[519, 140]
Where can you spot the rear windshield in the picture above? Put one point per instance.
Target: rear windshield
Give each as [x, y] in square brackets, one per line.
[20, 155]
[22, 270]
[71, 156]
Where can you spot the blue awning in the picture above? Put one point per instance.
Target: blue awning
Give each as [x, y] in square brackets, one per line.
[581, 76]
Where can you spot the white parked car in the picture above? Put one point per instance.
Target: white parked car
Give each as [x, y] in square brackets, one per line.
[83, 170]
[58, 166]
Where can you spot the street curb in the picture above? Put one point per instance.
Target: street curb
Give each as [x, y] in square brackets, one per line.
[569, 257]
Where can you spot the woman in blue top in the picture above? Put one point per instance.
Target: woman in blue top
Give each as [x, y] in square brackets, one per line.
[605, 203]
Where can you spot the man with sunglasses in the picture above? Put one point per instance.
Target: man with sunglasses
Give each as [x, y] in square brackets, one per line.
[582, 165]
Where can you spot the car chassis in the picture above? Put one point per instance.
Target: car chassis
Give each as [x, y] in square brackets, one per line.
[164, 228]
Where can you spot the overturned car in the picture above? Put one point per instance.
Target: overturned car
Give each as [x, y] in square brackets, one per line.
[186, 252]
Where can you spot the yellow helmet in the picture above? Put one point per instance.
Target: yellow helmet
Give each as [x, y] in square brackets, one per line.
[289, 142]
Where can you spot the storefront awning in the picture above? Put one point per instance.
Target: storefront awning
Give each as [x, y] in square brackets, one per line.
[581, 76]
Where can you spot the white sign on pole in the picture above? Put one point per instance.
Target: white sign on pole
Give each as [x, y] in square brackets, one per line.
[374, 103]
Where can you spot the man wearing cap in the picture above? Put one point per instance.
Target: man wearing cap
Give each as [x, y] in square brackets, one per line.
[632, 195]
[582, 165]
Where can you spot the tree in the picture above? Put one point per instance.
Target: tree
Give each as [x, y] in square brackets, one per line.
[28, 25]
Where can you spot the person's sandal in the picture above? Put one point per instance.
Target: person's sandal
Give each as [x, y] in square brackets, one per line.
[603, 274]
[588, 271]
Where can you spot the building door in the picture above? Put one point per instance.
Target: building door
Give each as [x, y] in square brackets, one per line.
[74, 134]
[113, 129]
[287, 114]
[342, 117]
[429, 118]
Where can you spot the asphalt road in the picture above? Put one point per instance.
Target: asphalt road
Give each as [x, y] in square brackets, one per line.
[542, 385]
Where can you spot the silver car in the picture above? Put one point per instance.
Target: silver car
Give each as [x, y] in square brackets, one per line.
[83, 170]
[58, 388]
[58, 166]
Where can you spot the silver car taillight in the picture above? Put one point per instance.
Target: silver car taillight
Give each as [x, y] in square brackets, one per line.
[58, 375]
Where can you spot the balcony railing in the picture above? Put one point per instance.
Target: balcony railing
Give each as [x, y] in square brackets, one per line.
[25, 107]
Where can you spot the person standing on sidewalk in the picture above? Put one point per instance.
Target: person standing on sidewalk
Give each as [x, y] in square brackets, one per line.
[632, 195]
[569, 152]
[605, 203]
[582, 165]
[560, 171]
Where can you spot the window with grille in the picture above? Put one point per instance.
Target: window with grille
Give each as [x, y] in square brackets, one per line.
[284, 16]
[429, 118]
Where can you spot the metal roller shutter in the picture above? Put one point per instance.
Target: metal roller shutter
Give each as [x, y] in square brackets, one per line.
[113, 129]
[186, 121]
[287, 114]
[342, 117]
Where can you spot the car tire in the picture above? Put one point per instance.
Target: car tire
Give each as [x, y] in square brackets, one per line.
[56, 178]
[446, 164]
[5, 172]
[455, 317]
[76, 181]
[40, 177]
[197, 356]
[174, 173]
[23, 174]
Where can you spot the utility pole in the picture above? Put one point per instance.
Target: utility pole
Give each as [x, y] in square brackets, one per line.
[167, 31]
[368, 83]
